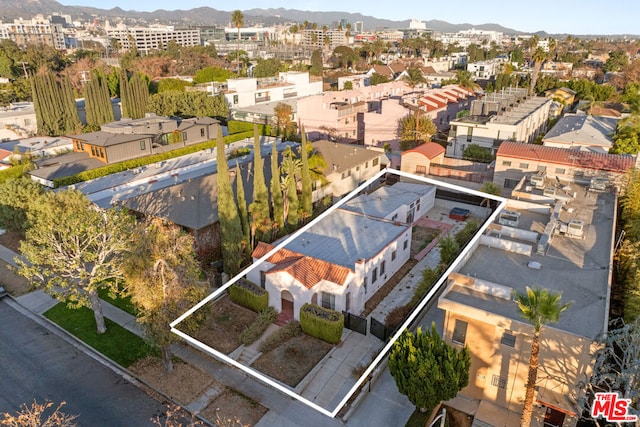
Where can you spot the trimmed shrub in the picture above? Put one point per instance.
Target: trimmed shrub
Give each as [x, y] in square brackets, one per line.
[236, 126]
[322, 323]
[258, 326]
[288, 331]
[250, 295]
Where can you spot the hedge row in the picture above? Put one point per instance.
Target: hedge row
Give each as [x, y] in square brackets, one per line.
[236, 126]
[249, 295]
[144, 161]
[321, 323]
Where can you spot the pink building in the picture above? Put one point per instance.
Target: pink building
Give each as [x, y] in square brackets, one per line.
[339, 115]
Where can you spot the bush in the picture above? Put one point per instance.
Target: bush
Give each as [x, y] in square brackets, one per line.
[321, 323]
[249, 295]
[239, 152]
[464, 235]
[288, 331]
[429, 277]
[258, 326]
[236, 126]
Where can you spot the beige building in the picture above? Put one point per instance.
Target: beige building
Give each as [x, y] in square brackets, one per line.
[509, 115]
[418, 160]
[33, 31]
[515, 160]
[561, 241]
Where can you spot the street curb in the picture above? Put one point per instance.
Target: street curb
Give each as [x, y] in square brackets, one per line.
[99, 357]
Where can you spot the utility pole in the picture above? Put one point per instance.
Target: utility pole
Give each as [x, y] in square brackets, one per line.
[24, 68]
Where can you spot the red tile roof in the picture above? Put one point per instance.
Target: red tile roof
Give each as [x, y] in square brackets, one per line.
[5, 153]
[430, 150]
[564, 156]
[306, 270]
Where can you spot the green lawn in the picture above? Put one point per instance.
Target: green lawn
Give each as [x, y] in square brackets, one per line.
[118, 344]
[418, 419]
[123, 303]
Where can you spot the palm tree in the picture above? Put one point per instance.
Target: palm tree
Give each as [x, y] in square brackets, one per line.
[538, 57]
[414, 77]
[538, 307]
[238, 21]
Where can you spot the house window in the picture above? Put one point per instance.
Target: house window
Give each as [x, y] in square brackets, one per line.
[469, 134]
[405, 245]
[418, 205]
[498, 381]
[201, 133]
[347, 302]
[328, 300]
[375, 162]
[393, 256]
[374, 275]
[510, 183]
[263, 279]
[508, 339]
[506, 163]
[459, 332]
[235, 99]
[560, 171]
[383, 267]
[366, 165]
[143, 145]
[542, 168]
[346, 174]
[421, 170]
[364, 284]
[184, 135]
[93, 150]
[524, 165]
[357, 168]
[394, 217]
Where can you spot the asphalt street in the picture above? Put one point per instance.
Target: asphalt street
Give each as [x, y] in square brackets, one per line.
[38, 364]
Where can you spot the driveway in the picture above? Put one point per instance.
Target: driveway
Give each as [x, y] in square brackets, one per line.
[38, 364]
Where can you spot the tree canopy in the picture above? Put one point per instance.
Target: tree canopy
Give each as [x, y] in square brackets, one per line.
[267, 68]
[427, 369]
[72, 249]
[414, 129]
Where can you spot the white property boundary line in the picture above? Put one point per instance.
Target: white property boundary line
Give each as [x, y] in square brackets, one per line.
[265, 379]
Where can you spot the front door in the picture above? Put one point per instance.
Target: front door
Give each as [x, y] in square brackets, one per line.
[286, 310]
[553, 418]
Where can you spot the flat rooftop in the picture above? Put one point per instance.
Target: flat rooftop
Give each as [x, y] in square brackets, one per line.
[579, 268]
[388, 198]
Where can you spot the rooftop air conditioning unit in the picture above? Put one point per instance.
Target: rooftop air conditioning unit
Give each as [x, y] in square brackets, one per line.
[509, 218]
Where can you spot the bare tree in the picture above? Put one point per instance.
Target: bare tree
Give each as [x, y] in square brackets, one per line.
[34, 416]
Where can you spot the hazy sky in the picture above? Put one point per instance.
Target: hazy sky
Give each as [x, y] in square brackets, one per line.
[559, 16]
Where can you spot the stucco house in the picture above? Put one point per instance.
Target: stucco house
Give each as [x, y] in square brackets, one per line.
[339, 263]
[419, 159]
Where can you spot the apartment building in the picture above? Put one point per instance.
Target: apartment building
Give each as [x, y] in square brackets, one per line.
[550, 236]
[510, 115]
[33, 31]
[250, 91]
[313, 39]
[516, 160]
[484, 70]
[151, 39]
[339, 115]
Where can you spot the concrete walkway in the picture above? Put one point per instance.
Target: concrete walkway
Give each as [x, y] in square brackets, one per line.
[8, 256]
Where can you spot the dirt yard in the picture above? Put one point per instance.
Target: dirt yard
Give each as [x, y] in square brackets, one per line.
[421, 237]
[187, 383]
[227, 321]
[233, 408]
[292, 360]
[11, 240]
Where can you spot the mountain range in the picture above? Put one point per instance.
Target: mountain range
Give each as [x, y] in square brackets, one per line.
[12, 9]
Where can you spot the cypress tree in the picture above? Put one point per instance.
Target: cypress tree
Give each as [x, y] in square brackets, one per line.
[71, 122]
[259, 208]
[125, 96]
[97, 101]
[292, 194]
[307, 197]
[55, 107]
[242, 212]
[276, 190]
[230, 226]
